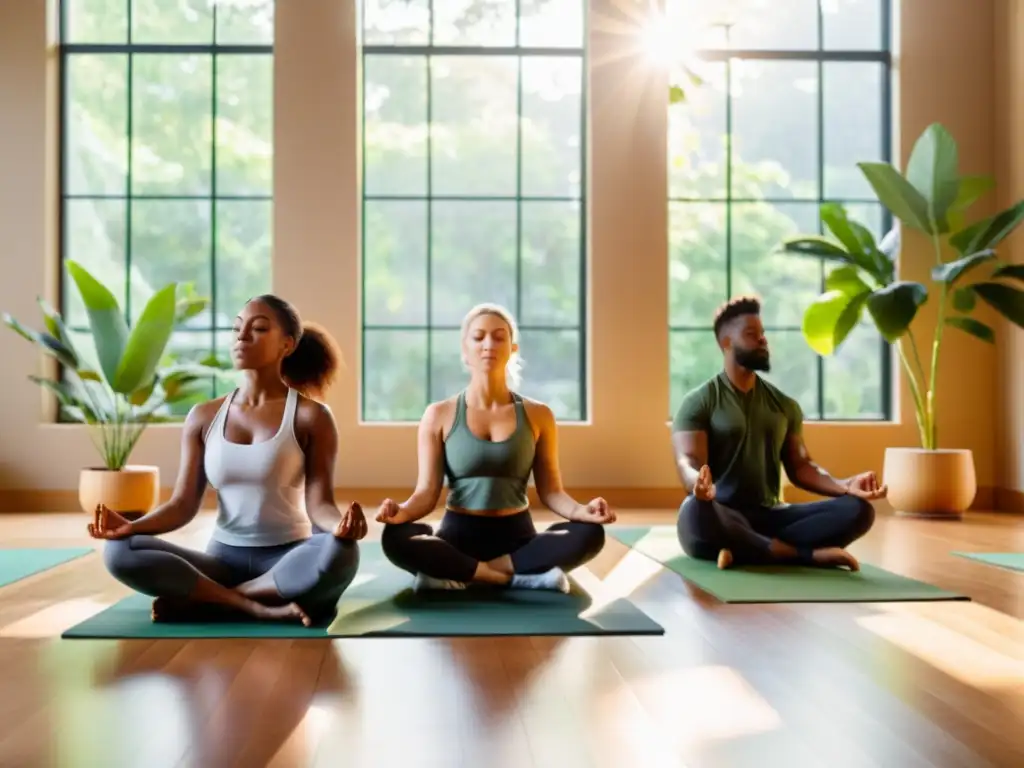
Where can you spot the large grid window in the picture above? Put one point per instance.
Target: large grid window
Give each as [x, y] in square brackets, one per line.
[795, 93]
[167, 151]
[473, 191]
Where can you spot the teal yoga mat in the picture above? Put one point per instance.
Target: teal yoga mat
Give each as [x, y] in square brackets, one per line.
[1011, 561]
[777, 583]
[382, 603]
[18, 564]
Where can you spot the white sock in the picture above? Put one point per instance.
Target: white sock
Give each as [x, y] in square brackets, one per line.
[429, 582]
[554, 579]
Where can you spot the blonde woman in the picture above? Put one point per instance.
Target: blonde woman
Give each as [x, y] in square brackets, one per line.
[486, 441]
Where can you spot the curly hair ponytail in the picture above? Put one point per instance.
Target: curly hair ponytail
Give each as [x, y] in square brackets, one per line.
[314, 363]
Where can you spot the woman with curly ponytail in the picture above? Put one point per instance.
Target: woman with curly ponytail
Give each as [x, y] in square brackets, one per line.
[281, 548]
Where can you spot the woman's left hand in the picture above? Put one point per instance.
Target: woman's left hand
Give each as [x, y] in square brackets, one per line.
[353, 523]
[596, 511]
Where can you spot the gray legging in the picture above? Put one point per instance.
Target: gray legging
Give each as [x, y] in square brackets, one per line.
[313, 572]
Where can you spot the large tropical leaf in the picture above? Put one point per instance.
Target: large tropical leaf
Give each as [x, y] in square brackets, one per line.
[974, 327]
[898, 195]
[858, 241]
[1014, 271]
[146, 344]
[952, 271]
[817, 246]
[846, 279]
[988, 233]
[932, 170]
[830, 318]
[1005, 299]
[895, 306]
[106, 320]
[972, 189]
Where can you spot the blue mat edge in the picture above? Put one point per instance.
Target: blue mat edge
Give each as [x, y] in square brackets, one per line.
[64, 555]
[980, 557]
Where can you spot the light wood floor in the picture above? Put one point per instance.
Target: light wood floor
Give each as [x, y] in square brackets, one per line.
[891, 685]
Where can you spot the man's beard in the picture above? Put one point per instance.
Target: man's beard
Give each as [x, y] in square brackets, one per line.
[753, 359]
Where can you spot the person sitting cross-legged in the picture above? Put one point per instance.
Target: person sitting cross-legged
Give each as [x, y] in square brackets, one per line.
[731, 437]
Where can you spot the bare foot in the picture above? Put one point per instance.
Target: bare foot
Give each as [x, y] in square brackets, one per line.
[289, 612]
[262, 589]
[165, 609]
[724, 559]
[835, 557]
[173, 609]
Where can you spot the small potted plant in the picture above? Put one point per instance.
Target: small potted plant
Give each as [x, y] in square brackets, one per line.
[125, 390]
[933, 198]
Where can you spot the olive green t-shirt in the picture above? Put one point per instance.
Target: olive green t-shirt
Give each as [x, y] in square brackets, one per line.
[746, 432]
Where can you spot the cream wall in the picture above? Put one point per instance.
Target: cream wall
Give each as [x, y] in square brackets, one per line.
[1010, 173]
[946, 73]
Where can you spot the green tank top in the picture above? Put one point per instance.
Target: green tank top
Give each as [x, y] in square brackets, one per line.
[483, 474]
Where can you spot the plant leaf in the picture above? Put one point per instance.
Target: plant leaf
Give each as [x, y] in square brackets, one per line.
[898, 195]
[988, 233]
[817, 246]
[830, 318]
[146, 344]
[142, 394]
[109, 329]
[894, 307]
[45, 341]
[55, 325]
[68, 396]
[951, 271]
[932, 170]
[846, 279]
[964, 299]
[1015, 271]
[1005, 299]
[972, 188]
[197, 390]
[858, 241]
[889, 245]
[973, 327]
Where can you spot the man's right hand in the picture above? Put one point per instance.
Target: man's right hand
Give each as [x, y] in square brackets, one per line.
[704, 489]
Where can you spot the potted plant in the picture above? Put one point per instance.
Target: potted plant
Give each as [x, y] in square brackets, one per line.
[933, 198]
[124, 389]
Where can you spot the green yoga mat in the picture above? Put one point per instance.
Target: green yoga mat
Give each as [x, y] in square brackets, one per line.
[382, 603]
[778, 583]
[18, 564]
[1011, 561]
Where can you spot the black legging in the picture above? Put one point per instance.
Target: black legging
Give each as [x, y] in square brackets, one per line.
[462, 541]
[706, 527]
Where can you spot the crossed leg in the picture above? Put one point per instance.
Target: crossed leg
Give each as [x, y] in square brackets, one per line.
[300, 581]
[813, 533]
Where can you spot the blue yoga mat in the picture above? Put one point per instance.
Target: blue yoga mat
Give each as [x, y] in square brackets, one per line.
[382, 603]
[18, 564]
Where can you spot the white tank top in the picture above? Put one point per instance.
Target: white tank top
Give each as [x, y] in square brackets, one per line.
[260, 487]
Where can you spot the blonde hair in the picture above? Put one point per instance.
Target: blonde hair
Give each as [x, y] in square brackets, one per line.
[514, 368]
